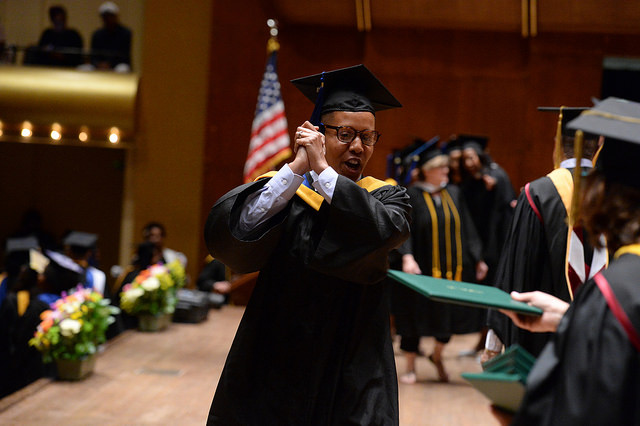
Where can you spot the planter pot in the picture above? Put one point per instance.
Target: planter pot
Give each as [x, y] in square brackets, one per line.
[75, 369]
[148, 322]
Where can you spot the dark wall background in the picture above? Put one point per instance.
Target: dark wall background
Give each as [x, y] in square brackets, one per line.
[463, 78]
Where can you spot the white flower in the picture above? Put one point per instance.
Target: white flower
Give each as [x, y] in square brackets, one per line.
[158, 270]
[72, 307]
[69, 327]
[150, 284]
[132, 294]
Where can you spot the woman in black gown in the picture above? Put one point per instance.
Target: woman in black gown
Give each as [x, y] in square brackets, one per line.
[590, 372]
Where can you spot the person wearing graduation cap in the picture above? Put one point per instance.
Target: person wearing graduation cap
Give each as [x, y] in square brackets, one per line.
[314, 344]
[453, 148]
[81, 247]
[589, 373]
[443, 244]
[490, 197]
[542, 252]
[20, 312]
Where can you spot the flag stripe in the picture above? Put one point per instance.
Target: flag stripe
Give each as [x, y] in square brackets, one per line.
[265, 143]
[260, 156]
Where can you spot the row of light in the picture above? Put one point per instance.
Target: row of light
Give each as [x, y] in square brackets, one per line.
[56, 132]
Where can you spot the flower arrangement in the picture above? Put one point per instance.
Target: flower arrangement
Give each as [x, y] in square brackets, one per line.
[74, 326]
[153, 291]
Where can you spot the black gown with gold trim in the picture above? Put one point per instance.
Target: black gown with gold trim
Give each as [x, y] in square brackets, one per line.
[314, 345]
[535, 254]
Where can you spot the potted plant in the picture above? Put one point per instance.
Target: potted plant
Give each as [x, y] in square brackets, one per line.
[71, 331]
[152, 295]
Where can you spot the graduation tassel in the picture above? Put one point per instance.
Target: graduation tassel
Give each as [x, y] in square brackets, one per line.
[557, 148]
[317, 109]
[596, 155]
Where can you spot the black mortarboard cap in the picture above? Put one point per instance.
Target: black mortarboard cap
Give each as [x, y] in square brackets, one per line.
[414, 157]
[347, 89]
[431, 150]
[81, 239]
[568, 114]
[477, 142]
[21, 244]
[453, 144]
[618, 120]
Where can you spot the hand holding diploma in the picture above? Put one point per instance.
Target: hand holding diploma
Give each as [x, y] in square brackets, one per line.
[552, 307]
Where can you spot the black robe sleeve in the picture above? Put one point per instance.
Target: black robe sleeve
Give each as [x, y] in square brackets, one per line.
[589, 374]
[242, 255]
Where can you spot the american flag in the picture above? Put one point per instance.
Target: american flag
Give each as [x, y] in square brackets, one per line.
[269, 134]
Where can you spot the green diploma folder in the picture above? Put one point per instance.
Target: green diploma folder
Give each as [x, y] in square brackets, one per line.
[504, 377]
[462, 293]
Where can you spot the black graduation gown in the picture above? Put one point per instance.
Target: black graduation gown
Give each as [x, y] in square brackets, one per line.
[314, 345]
[589, 373]
[21, 363]
[533, 259]
[491, 212]
[416, 315]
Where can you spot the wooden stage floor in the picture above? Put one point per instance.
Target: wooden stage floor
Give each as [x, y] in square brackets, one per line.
[168, 378]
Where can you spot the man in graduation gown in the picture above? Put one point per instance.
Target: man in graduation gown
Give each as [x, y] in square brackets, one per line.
[537, 254]
[589, 373]
[443, 244]
[314, 345]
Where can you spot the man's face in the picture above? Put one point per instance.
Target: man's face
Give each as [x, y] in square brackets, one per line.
[348, 159]
[471, 161]
[155, 236]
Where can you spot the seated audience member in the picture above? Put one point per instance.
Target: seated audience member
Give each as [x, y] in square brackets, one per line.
[155, 233]
[213, 278]
[59, 45]
[111, 44]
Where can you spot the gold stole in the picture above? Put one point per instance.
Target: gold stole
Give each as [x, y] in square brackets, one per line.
[449, 210]
[563, 181]
[631, 248]
[315, 200]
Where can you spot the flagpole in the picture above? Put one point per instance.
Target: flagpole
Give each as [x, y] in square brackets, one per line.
[272, 45]
[270, 142]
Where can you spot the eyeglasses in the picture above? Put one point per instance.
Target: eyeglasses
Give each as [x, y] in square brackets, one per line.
[346, 134]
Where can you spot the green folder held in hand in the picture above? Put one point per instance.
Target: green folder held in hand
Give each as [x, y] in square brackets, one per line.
[477, 295]
[504, 377]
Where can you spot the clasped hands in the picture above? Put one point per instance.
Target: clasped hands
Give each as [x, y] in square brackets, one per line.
[310, 150]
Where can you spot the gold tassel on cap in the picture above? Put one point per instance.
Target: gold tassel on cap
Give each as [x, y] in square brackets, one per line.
[557, 149]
